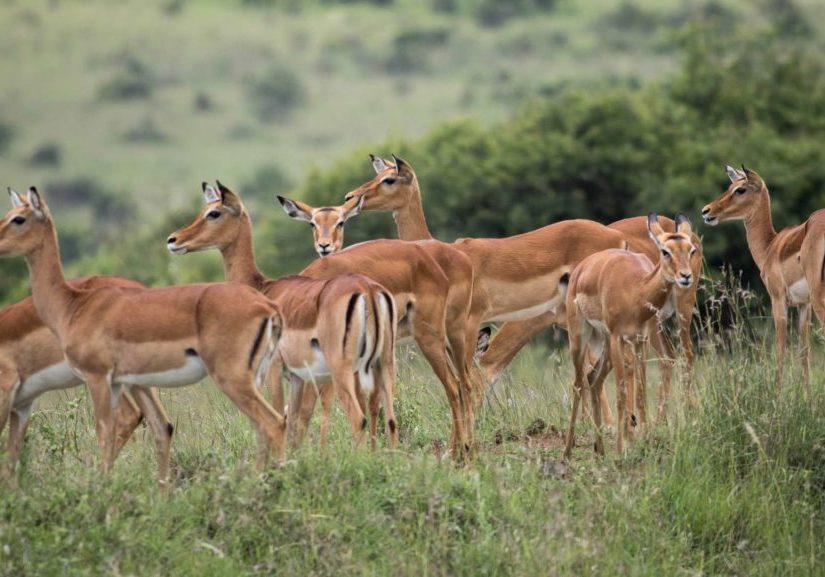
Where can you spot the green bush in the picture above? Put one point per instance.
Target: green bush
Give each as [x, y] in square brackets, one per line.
[276, 93]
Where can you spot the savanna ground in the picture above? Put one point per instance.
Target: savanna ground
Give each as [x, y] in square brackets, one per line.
[732, 485]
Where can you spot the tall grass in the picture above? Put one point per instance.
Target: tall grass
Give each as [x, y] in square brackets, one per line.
[734, 484]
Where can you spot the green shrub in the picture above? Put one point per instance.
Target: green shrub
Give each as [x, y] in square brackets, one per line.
[276, 93]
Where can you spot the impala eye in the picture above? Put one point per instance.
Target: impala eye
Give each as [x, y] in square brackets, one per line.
[665, 253]
[312, 224]
[213, 214]
[740, 190]
[389, 181]
[340, 225]
[18, 220]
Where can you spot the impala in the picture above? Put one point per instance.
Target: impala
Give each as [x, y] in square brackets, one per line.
[611, 299]
[431, 284]
[332, 328]
[557, 247]
[32, 363]
[120, 338]
[790, 262]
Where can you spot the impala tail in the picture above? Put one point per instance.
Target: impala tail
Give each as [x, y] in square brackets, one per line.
[263, 347]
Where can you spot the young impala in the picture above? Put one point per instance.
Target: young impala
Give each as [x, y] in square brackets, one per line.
[333, 328]
[32, 363]
[120, 338]
[790, 262]
[527, 257]
[611, 298]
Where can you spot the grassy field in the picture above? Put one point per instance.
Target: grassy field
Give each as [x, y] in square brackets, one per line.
[734, 484]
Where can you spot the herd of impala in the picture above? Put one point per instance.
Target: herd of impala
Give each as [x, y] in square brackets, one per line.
[333, 328]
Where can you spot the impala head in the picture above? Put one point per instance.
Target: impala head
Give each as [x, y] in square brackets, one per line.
[676, 249]
[393, 187]
[740, 199]
[327, 222]
[216, 226]
[23, 227]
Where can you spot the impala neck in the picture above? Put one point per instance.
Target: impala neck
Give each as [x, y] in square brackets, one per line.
[52, 294]
[410, 220]
[759, 230]
[239, 257]
[654, 290]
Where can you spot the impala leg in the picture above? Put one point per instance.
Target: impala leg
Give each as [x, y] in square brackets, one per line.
[779, 311]
[630, 386]
[596, 394]
[327, 392]
[428, 331]
[269, 423]
[617, 355]
[101, 394]
[128, 419]
[684, 310]
[302, 399]
[344, 383]
[804, 345]
[607, 412]
[274, 379]
[667, 358]
[578, 352]
[511, 338]
[159, 424]
[374, 406]
[385, 382]
[6, 388]
[19, 422]
[639, 358]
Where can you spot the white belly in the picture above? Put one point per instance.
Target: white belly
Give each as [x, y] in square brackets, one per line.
[314, 371]
[53, 378]
[192, 371]
[798, 292]
[548, 306]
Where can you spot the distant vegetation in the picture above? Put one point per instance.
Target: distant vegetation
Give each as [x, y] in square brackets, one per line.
[514, 115]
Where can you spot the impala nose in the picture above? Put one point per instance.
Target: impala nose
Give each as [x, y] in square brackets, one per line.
[349, 196]
[705, 210]
[685, 279]
[172, 240]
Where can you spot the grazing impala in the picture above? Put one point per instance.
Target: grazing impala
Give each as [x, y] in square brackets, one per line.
[612, 297]
[790, 262]
[395, 188]
[120, 338]
[333, 328]
[32, 363]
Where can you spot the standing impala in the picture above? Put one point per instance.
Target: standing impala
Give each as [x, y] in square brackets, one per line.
[32, 363]
[790, 262]
[332, 328]
[530, 256]
[612, 297]
[120, 338]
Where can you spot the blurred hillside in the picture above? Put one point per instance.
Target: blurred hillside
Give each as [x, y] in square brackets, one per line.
[118, 110]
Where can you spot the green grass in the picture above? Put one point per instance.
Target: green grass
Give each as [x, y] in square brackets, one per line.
[733, 485]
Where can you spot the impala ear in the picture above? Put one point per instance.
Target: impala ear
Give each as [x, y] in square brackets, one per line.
[229, 199]
[654, 228]
[734, 174]
[750, 175]
[683, 224]
[36, 202]
[403, 168]
[210, 195]
[378, 164]
[296, 209]
[354, 209]
[16, 201]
